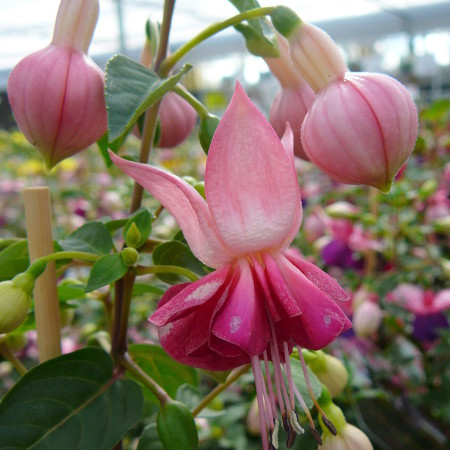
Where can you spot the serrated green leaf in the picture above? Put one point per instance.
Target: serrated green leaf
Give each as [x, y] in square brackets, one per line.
[71, 402]
[13, 260]
[106, 270]
[92, 237]
[167, 372]
[142, 218]
[130, 89]
[176, 253]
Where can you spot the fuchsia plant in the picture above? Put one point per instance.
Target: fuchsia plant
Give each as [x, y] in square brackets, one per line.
[56, 93]
[260, 301]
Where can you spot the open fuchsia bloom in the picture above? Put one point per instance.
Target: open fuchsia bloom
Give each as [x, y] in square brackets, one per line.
[260, 301]
[361, 127]
[294, 99]
[177, 119]
[56, 93]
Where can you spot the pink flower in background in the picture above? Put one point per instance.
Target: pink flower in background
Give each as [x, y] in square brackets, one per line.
[293, 101]
[261, 300]
[177, 120]
[361, 127]
[427, 306]
[56, 93]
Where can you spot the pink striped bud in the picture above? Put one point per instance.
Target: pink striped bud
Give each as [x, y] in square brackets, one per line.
[177, 118]
[56, 93]
[362, 127]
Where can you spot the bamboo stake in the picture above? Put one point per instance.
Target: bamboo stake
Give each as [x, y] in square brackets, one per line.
[40, 243]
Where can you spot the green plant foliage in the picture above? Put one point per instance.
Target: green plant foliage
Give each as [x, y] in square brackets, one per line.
[106, 270]
[13, 260]
[71, 402]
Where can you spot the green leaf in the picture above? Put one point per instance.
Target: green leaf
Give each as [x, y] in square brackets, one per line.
[176, 427]
[71, 290]
[149, 439]
[140, 289]
[176, 253]
[219, 376]
[13, 260]
[106, 270]
[130, 89]
[142, 218]
[92, 237]
[299, 381]
[167, 372]
[259, 36]
[71, 402]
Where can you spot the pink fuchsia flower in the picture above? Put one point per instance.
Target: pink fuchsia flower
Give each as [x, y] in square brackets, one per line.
[361, 127]
[293, 101]
[56, 93]
[427, 306]
[177, 119]
[261, 300]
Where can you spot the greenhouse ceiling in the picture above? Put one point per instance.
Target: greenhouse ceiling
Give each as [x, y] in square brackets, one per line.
[27, 25]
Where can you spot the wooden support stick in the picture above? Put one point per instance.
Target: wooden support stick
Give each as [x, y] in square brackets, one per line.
[38, 217]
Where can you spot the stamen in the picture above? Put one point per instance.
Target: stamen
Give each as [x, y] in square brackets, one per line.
[261, 408]
[305, 408]
[325, 419]
[269, 384]
[294, 423]
[273, 434]
[289, 375]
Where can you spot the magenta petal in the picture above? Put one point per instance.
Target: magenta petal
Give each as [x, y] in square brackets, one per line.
[178, 302]
[251, 185]
[321, 320]
[186, 205]
[317, 276]
[242, 320]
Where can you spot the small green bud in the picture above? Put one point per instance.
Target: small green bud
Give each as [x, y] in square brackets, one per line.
[130, 256]
[331, 372]
[16, 341]
[285, 21]
[176, 427]
[335, 416]
[343, 210]
[207, 128]
[199, 186]
[15, 299]
[133, 236]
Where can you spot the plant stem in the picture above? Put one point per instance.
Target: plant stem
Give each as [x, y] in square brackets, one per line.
[127, 363]
[141, 270]
[11, 357]
[199, 107]
[169, 6]
[170, 61]
[57, 256]
[234, 375]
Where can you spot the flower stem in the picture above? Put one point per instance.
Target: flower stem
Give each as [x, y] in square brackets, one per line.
[11, 357]
[213, 29]
[141, 270]
[57, 256]
[199, 107]
[127, 363]
[234, 375]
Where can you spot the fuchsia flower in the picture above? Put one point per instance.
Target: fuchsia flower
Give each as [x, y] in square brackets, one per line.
[427, 306]
[177, 120]
[293, 101]
[260, 301]
[56, 93]
[361, 127]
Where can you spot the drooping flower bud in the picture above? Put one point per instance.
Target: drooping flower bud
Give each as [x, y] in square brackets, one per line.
[367, 318]
[293, 101]
[362, 127]
[15, 298]
[177, 119]
[56, 93]
[329, 370]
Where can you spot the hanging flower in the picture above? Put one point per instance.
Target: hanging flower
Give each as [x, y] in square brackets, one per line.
[261, 300]
[56, 93]
[294, 99]
[361, 127]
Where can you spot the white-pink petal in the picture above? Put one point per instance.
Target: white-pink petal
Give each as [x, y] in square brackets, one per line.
[250, 182]
[186, 205]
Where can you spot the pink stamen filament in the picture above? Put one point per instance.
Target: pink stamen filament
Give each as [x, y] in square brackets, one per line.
[289, 375]
[269, 384]
[261, 408]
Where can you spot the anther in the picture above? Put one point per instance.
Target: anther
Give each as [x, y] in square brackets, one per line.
[286, 426]
[329, 424]
[316, 435]
[273, 435]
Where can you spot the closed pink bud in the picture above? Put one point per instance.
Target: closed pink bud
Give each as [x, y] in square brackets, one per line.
[57, 93]
[367, 318]
[362, 127]
[177, 118]
[293, 101]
